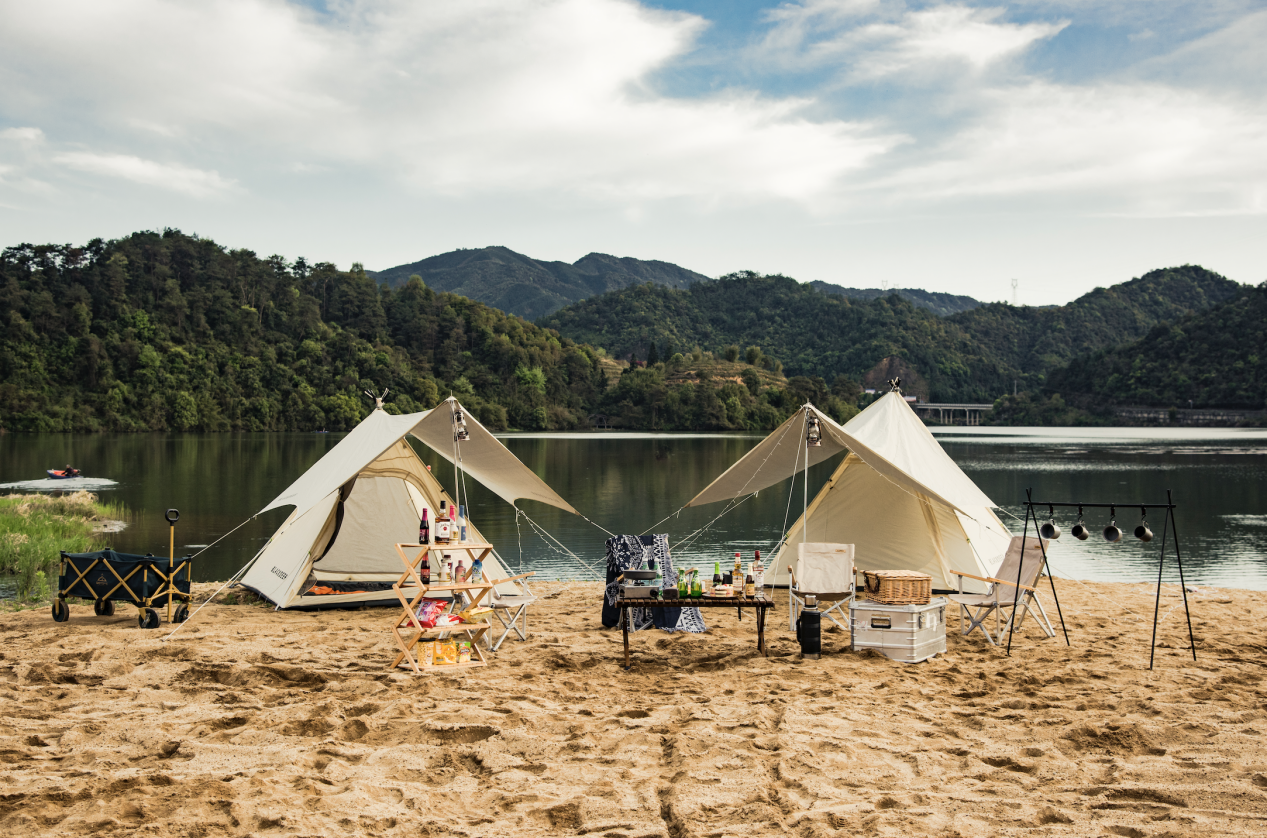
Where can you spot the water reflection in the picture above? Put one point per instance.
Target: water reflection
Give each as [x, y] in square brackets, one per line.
[636, 482]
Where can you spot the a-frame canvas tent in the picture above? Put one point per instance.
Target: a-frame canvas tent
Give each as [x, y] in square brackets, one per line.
[897, 496]
[367, 494]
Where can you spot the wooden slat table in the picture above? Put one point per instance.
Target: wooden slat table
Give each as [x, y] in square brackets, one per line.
[759, 604]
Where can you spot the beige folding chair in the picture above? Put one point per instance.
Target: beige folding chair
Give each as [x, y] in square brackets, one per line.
[1001, 597]
[510, 607]
[827, 572]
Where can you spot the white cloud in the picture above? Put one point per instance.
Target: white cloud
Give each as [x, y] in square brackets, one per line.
[173, 176]
[478, 96]
[871, 40]
[1137, 149]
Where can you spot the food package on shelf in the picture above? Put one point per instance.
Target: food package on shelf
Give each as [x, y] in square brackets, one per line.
[477, 614]
[464, 651]
[446, 652]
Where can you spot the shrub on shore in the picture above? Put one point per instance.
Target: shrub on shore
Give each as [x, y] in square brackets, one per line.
[35, 528]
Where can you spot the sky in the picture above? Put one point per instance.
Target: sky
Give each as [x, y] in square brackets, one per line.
[950, 146]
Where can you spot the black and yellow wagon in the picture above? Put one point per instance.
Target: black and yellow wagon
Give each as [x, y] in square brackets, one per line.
[107, 577]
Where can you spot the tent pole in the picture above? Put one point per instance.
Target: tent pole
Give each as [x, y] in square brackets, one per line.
[805, 498]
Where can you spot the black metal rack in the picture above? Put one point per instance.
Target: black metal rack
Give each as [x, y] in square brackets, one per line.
[1168, 526]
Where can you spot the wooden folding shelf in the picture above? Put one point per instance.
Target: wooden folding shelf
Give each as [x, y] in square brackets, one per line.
[467, 593]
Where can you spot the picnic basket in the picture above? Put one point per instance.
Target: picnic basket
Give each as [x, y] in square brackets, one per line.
[898, 587]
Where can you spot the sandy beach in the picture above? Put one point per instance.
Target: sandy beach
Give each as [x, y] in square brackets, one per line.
[253, 722]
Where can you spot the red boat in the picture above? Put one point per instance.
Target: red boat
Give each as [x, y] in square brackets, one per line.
[63, 474]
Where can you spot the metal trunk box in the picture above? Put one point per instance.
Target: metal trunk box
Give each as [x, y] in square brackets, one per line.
[909, 633]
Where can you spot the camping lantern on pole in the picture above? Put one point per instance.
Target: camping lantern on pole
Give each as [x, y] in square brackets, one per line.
[459, 424]
[814, 435]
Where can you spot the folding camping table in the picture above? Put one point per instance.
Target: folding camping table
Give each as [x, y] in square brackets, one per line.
[759, 604]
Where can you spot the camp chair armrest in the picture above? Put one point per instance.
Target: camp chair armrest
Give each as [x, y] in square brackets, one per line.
[792, 576]
[992, 579]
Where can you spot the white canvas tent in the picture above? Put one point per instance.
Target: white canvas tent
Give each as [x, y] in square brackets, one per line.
[367, 493]
[897, 496]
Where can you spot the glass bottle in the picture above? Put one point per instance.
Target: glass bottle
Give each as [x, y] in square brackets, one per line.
[749, 587]
[716, 575]
[424, 529]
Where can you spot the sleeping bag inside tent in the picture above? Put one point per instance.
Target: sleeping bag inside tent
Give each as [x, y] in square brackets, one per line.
[366, 495]
[897, 496]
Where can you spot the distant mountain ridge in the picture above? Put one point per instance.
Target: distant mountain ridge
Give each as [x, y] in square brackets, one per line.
[532, 288]
[937, 302]
[974, 355]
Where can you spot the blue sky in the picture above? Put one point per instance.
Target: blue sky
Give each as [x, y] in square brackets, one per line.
[944, 145]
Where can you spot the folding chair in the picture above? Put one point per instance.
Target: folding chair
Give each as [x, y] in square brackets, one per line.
[510, 608]
[1001, 597]
[827, 572]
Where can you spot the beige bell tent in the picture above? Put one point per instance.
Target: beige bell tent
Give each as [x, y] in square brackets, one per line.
[367, 494]
[897, 496]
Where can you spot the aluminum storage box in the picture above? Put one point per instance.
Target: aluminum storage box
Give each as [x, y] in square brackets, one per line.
[909, 633]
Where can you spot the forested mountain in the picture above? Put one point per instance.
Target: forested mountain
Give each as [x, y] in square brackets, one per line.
[975, 355]
[529, 287]
[173, 332]
[1215, 358]
[935, 301]
[170, 331]
[1035, 341]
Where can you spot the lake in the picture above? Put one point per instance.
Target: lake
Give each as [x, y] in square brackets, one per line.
[634, 482]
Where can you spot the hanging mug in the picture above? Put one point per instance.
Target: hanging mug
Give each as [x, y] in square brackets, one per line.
[1049, 531]
[1112, 533]
[1080, 531]
[1142, 532]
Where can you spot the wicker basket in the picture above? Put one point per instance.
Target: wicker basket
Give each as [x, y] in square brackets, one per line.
[898, 587]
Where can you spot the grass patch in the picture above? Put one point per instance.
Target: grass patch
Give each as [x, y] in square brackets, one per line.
[35, 528]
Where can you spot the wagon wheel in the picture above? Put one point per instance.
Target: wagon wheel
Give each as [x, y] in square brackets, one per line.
[103, 608]
[181, 613]
[61, 611]
[147, 619]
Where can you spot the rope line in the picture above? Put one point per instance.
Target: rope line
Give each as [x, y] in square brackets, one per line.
[226, 535]
[562, 549]
[202, 604]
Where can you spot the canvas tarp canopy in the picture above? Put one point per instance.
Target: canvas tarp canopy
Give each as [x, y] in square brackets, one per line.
[367, 494]
[898, 497]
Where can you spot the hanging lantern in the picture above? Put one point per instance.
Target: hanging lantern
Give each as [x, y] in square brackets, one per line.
[459, 424]
[813, 436]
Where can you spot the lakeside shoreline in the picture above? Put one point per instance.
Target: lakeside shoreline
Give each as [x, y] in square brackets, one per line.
[251, 721]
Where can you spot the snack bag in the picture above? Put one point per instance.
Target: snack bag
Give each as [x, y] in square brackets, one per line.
[427, 653]
[464, 651]
[428, 610]
[476, 614]
[446, 652]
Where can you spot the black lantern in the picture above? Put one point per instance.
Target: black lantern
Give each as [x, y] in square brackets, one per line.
[813, 436]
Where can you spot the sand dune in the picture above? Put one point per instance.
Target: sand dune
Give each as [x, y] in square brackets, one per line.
[264, 723]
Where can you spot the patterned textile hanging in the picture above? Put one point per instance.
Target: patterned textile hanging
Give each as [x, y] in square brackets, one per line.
[633, 552]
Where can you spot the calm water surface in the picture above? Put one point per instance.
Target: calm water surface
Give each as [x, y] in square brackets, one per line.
[630, 483]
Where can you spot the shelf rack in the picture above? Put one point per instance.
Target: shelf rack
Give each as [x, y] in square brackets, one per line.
[468, 593]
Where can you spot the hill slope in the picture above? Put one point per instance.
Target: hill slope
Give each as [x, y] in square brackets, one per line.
[975, 355]
[935, 301]
[175, 332]
[1215, 358]
[531, 288]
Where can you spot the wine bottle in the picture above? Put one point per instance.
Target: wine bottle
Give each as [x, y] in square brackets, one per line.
[424, 571]
[424, 529]
[716, 574]
[749, 587]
